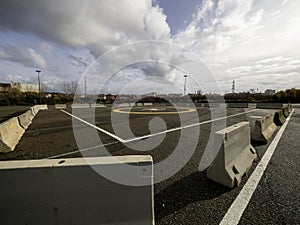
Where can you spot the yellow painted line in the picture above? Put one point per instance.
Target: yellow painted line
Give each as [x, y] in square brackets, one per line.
[121, 110]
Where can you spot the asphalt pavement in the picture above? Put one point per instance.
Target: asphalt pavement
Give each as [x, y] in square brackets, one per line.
[7, 112]
[187, 197]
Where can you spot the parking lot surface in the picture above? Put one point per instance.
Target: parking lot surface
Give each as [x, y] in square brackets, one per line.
[187, 197]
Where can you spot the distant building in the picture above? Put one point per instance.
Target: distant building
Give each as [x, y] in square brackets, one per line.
[124, 97]
[4, 87]
[25, 87]
[107, 97]
[270, 92]
[110, 97]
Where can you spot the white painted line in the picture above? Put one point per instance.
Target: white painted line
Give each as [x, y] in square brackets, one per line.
[184, 127]
[239, 205]
[155, 134]
[98, 128]
[82, 150]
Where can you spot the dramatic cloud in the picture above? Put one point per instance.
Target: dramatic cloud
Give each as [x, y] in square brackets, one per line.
[231, 35]
[264, 72]
[24, 56]
[97, 24]
[218, 25]
[238, 39]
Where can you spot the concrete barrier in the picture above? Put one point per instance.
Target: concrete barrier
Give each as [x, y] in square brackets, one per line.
[139, 104]
[25, 119]
[262, 128]
[212, 104]
[264, 105]
[148, 104]
[296, 105]
[279, 118]
[51, 107]
[10, 134]
[223, 105]
[237, 105]
[235, 157]
[252, 105]
[60, 106]
[42, 107]
[198, 104]
[34, 110]
[286, 112]
[69, 191]
[80, 106]
[290, 108]
[124, 105]
[96, 105]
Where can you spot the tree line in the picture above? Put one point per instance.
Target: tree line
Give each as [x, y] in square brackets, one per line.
[15, 97]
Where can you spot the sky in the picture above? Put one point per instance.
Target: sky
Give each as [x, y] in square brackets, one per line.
[126, 46]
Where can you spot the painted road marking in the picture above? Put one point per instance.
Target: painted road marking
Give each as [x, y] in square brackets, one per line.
[239, 205]
[92, 125]
[155, 134]
[154, 111]
[82, 150]
[183, 127]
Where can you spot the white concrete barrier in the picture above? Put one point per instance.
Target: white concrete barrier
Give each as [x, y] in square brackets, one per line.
[25, 119]
[60, 106]
[262, 128]
[80, 106]
[10, 134]
[123, 105]
[212, 104]
[252, 105]
[237, 105]
[197, 104]
[34, 110]
[296, 105]
[265, 105]
[148, 104]
[42, 107]
[279, 118]
[69, 191]
[286, 112]
[235, 157]
[96, 105]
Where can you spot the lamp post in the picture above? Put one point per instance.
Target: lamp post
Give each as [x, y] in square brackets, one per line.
[38, 72]
[184, 86]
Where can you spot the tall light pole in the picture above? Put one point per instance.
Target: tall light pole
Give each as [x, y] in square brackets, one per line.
[38, 72]
[184, 86]
[85, 92]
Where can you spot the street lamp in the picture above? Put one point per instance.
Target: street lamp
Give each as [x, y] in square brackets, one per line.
[184, 86]
[38, 72]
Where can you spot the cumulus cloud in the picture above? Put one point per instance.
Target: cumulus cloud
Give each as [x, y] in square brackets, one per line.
[231, 35]
[274, 65]
[97, 24]
[222, 31]
[25, 56]
[275, 71]
[218, 25]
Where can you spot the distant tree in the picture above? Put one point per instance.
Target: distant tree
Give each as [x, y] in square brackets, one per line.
[71, 88]
[44, 87]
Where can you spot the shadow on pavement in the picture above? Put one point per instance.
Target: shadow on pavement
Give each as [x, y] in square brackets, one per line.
[194, 188]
